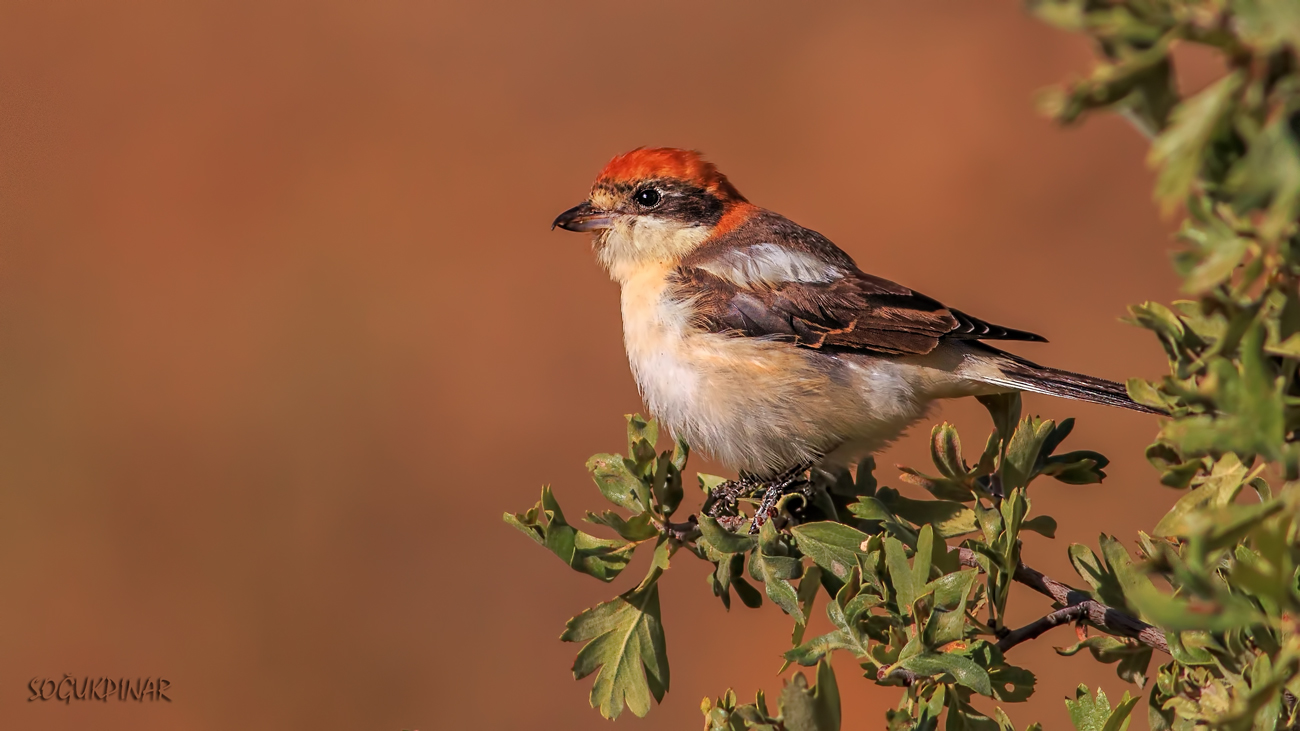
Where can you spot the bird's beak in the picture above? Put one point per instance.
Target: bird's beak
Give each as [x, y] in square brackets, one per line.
[583, 217]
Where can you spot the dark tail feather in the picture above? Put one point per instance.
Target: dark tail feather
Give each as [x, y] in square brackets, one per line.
[1026, 376]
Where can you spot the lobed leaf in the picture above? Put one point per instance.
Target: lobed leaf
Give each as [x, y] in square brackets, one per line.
[1093, 713]
[625, 646]
[617, 482]
[601, 558]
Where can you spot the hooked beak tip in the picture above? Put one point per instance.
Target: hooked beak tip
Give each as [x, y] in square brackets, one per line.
[582, 217]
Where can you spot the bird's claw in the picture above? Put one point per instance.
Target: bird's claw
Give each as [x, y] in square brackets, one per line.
[769, 506]
[722, 502]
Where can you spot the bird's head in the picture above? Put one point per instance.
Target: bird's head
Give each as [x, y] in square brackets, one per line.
[653, 206]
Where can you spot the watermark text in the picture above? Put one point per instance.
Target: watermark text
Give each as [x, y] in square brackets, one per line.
[68, 689]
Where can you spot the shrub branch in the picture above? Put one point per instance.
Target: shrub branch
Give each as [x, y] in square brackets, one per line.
[1097, 614]
[1037, 627]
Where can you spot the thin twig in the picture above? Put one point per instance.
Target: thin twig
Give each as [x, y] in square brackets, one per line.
[893, 672]
[1097, 614]
[685, 533]
[1039, 626]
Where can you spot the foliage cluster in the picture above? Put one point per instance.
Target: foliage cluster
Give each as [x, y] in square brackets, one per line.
[917, 590]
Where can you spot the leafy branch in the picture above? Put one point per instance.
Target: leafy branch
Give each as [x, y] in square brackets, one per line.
[917, 589]
[1101, 616]
[903, 603]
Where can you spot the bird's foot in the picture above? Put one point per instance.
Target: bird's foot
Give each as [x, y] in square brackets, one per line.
[792, 480]
[723, 502]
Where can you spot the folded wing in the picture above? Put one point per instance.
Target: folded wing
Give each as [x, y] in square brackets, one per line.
[855, 311]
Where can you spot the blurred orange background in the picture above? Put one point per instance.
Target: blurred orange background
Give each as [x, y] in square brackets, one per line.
[283, 330]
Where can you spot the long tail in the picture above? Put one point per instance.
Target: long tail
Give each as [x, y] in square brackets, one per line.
[1024, 375]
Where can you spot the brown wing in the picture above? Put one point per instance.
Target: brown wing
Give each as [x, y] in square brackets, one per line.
[854, 310]
[858, 311]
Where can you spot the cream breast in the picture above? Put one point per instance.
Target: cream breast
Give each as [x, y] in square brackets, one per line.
[750, 403]
[655, 330]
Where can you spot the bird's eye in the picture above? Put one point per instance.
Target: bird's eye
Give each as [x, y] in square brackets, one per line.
[648, 198]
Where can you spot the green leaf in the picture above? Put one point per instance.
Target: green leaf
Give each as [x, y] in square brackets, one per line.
[812, 709]
[990, 520]
[1076, 468]
[776, 570]
[1014, 508]
[952, 590]
[962, 669]
[636, 529]
[945, 450]
[947, 622]
[1004, 408]
[1104, 582]
[1144, 393]
[1217, 252]
[808, 589]
[723, 540]
[1180, 149]
[617, 483]
[1018, 468]
[625, 646]
[1041, 524]
[667, 485]
[601, 558]
[1176, 614]
[923, 561]
[900, 573]
[833, 546]
[720, 580]
[639, 430]
[1217, 491]
[870, 508]
[1265, 571]
[1136, 84]
[1131, 580]
[820, 647]
[1269, 176]
[1012, 684]
[1268, 24]
[708, 483]
[680, 454]
[1095, 714]
[962, 716]
[1133, 657]
[949, 518]
[749, 596]
[1063, 14]
[1164, 323]
[1250, 418]
[1218, 529]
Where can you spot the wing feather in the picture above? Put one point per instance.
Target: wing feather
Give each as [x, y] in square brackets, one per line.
[855, 310]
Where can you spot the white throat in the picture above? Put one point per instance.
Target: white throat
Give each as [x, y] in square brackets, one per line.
[635, 243]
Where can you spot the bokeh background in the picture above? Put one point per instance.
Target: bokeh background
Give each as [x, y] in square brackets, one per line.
[283, 330]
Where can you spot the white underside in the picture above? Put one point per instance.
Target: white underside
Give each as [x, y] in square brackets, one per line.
[763, 406]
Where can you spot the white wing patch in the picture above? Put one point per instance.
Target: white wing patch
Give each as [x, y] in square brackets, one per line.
[770, 264]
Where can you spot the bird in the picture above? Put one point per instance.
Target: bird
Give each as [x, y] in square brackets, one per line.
[763, 343]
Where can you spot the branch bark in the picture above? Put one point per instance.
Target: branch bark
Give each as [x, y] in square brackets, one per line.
[1094, 612]
[903, 675]
[1039, 626]
[685, 533]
